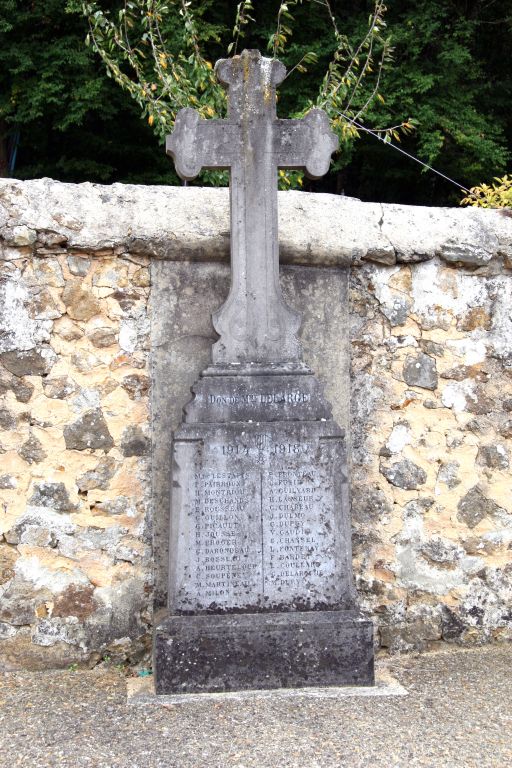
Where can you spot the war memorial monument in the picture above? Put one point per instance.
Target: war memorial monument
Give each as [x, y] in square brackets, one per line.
[261, 593]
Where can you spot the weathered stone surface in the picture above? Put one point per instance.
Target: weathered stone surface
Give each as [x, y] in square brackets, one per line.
[136, 385]
[274, 492]
[369, 505]
[197, 654]
[66, 329]
[20, 653]
[85, 362]
[7, 481]
[114, 274]
[260, 510]
[22, 389]
[78, 265]
[44, 306]
[8, 557]
[103, 337]
[420, 371]
[474, 506]
[487, 590]
[478, 403]
[493, 456]
[50, 239]
[80, 304]
[476, 317]
[452, 626]
[477, 254]
[181, 337]
[461, 372]
[41, 526]
[47, 272]
[414, 630]
[7, 419]
[6, 630]
[313, 229]
[404, 474]
[89, 431]
[398, 312]
[75, 601]
[142, 278]
[277, 397]
[253, 143]
[459, 316]
[432, 348]
[440, 551]
[33, 362]
[20, 601]
[505, 429]
[134, 442]
[52, 495]
[32, 450]
[19, 236]
[449, 474]
[99, 477]
[120, 505]
[381, 255]
[59, 387]
[484, 545]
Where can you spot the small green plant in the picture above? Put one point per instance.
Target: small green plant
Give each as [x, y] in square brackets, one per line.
[496, 195]
[73, 667]
[144, 672]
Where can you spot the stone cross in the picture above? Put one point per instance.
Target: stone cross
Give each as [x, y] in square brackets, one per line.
[255, 325]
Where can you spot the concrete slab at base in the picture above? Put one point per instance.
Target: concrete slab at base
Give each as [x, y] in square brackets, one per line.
[234, 652]
[141, 692]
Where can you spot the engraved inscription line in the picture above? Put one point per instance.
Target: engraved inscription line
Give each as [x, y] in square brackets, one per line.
[263, 398]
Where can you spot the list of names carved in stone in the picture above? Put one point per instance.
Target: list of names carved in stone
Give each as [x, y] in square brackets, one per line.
[290, 544]
[257, 536]
[226, 552]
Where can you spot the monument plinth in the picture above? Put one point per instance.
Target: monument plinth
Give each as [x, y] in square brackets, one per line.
[260, 575]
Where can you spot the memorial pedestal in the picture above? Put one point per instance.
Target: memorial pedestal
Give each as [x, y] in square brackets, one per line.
[260, 584]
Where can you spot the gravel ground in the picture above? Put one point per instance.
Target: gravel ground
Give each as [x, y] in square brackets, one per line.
[458, 713]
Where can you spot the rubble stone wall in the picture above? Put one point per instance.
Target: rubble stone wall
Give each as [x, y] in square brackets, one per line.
[431, 402]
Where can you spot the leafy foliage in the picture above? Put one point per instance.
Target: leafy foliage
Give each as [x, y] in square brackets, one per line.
[158, 51]
[152, 48]
[497, 195]
[447, 74]
[456, 90]
[72, 121]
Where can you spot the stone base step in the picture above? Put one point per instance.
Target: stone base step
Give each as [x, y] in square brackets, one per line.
[233, 652]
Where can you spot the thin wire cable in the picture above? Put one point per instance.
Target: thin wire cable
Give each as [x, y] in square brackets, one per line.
[407, 154]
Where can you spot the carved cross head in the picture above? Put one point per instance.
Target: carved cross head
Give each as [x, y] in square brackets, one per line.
[251, 80]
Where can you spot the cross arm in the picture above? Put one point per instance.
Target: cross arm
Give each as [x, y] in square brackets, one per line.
[305, 144]
[197, 144]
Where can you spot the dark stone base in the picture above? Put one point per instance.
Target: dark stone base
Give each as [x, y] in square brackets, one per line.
[232, 652]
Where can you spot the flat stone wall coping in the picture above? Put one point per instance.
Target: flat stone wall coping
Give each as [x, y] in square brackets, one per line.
[44, 217]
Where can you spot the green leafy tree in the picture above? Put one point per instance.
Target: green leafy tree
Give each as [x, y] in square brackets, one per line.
[67, 117]
[452, 72]
[162, 51]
